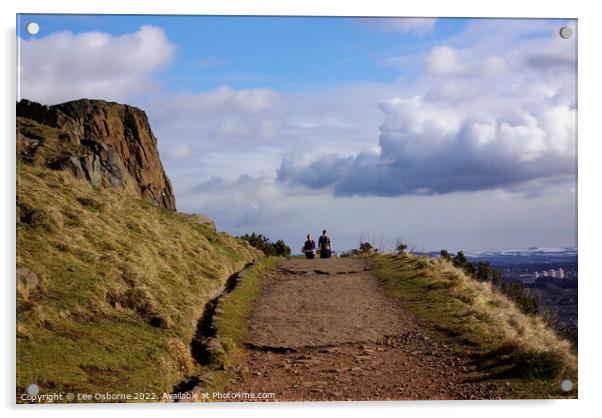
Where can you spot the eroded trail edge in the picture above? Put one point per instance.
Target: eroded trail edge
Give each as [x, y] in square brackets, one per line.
[324, 330]
[200, 346]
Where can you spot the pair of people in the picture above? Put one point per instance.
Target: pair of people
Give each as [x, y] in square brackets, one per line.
[309, 248]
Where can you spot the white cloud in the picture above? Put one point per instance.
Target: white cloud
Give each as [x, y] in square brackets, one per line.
[179, 152]
[223, 114]
[65, 66]
[444, 60]
[499, 47]
[427, 147]
[458, 129]
[477, 119]
[243, 202]
[249, 131]
[494, 66]
[244, 101]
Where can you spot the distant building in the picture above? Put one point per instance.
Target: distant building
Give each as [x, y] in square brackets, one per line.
[555, 274]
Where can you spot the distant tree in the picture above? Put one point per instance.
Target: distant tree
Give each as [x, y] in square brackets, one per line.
[462, 262]
[486, 273]
[365, 247]
[263, 243]
[445, 255]
[400, 246]
[281, 249]
[259, 241]
[514, 291]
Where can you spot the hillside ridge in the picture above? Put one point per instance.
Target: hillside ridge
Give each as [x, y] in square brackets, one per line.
[110, 278]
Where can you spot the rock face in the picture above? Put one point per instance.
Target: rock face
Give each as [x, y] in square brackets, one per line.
[107, 144]
[101, 167]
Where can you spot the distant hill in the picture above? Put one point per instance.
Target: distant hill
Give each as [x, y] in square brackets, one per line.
[533, 255]
[111, 280]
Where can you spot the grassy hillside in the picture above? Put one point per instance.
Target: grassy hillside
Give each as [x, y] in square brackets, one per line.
[519, 351]
[109, 288]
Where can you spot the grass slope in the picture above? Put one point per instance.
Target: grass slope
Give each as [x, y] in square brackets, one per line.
[109, 288]
[519, 351]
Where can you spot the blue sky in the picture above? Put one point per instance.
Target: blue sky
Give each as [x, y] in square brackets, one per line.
[286, 53]
[445, 133]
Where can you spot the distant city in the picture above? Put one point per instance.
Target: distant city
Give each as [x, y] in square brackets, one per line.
[530, 273]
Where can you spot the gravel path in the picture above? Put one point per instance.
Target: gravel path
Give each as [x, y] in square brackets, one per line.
[324, 330]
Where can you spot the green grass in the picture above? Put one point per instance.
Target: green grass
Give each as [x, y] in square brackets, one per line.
[120, 285]
[519, 352]
[231, 321]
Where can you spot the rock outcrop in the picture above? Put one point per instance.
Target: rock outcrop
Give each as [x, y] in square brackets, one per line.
[107, 144]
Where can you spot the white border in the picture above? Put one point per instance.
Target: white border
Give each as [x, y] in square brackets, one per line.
[590, 209]
[456, 8]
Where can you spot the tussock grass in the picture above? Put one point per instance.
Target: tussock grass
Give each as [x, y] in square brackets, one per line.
[479, 320]
[110, 286]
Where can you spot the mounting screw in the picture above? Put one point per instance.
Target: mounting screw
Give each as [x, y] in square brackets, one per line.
[566, 385]
[565, 32]
[32, 28]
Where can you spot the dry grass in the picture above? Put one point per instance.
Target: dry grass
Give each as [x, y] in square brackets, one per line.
[118, 285]
[482, 322]
[515, 328]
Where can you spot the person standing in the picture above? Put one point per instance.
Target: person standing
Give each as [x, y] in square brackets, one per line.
[325, 245]
[309, 248]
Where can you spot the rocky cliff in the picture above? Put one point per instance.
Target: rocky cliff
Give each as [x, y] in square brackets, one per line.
[107, 144]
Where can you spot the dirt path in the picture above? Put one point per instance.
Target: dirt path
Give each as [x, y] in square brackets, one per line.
[324, 330]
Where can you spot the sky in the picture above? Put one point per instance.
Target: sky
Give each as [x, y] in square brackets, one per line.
[440, 133]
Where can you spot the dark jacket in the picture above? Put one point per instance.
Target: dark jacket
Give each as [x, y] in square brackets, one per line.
[324, 242]
[309, 245]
